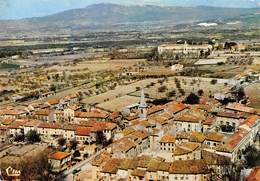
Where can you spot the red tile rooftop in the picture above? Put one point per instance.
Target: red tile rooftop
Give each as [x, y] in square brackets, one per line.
[216, 137]
[209, 121]
[250, 121]
[188, 118]
[228, 115]
[189, 167]
[240, 107]
[53, 101]
[235, 139]
[50, 125]
[168, 138]
[58, 155]
[254, 175]
[175, 107]
[81, 131]
[92, 114]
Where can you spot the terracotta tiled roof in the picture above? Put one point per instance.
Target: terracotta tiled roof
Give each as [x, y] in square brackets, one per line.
[254, 175]
[183, 135]
[175, 107]
[188, 118]
[143, 161]
[123, 145]
[7, 121]
[164, 166]
[214, 159]
[153, 165]
[216, 137]
[138, 173]
[168, 138]
[111, 166]
[58, 155]
[138, 135]
[197, 137]
[234, 140]
[83, 131]
[53, 101]
[125, 164]
[128, 131]
[209, 121]
[185, 148]
[250, 121]
[189, 167]
[11, 112]
[228, 115]
[50, 125]
[33, 123]
[154, 109]
[240, 107]
[43, 112]
[101, 158]
[93, 114]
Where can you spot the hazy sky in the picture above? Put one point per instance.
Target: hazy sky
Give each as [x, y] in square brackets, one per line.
[14, 9]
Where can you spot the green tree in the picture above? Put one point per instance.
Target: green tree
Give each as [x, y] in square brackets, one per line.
[192, 99]
[33, 137]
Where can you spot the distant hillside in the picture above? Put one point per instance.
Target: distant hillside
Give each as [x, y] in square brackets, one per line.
[102, 15]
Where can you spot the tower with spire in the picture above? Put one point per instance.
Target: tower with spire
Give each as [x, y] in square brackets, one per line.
[142, 106]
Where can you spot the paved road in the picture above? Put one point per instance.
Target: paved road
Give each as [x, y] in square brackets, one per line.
[68, 176]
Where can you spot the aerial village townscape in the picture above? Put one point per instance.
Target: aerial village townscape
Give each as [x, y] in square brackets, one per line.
[109, 92]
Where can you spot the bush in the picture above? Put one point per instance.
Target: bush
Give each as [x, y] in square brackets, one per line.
[19, 138]
[33, 137]
[192, 99]
[213, 81]
[200, 92]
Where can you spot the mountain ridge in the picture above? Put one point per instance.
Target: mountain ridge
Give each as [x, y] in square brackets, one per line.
[108, 14]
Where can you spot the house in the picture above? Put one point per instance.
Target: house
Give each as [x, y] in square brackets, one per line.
[4, 133]
[208, 124]
[90, 116]
[241, 139]
[167, 143]
[69, 113]
[52, 103]
[44, 115]
[188, 122]
[12, 113]
[59, 161]
[97, 162]
[195, 170]
[109, 169]
[221, 165]
[16, 128]
[184, 49]
[50, 130]
[154, 138]
[214, 139]
[123, 148]
[228, 119]
[85, 135]
[187, 151]
[163, 170]
[31, 125]
[167, 146]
